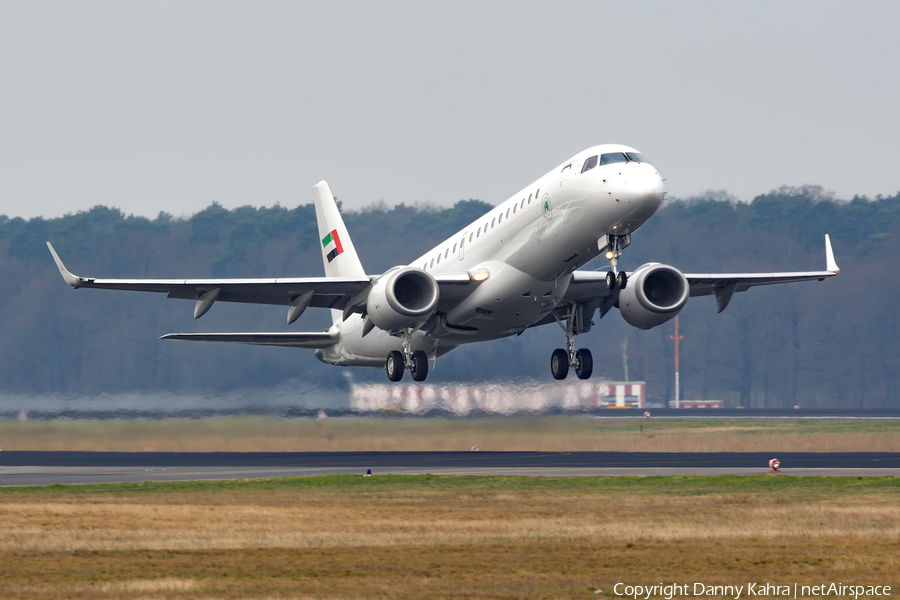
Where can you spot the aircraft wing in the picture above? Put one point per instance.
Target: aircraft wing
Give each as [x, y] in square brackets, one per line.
[343, 293]
[289, 339]
[590, 285]
[724, 285]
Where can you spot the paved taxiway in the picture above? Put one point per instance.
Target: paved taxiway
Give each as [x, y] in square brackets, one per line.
[43, 468]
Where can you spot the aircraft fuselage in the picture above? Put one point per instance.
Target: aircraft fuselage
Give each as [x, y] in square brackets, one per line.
[528, 245]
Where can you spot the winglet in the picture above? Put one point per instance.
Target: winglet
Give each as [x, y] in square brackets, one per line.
[830, 264]
[70, 279]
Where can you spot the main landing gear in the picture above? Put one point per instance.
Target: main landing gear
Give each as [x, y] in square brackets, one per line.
[581, 360]
[415, 362]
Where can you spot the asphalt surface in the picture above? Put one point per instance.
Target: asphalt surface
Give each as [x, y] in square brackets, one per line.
[43, 468]
[356, 460]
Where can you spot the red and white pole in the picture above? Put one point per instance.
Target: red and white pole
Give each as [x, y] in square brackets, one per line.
[677, 337]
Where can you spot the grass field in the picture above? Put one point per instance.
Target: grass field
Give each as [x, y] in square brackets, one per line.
[559, 433]
[442, 537]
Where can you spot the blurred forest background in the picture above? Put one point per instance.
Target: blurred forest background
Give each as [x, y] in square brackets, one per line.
[821, 344]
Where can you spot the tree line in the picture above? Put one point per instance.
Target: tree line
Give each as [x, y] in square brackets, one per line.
[821, 344]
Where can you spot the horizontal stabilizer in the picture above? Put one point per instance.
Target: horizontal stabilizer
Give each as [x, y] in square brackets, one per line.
[319, 339]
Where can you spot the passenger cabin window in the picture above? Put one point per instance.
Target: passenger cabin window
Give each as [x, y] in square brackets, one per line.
[515, 206]
[589, 164]
[500, 219]
[613, 157]
[439, 259]
[446, 252]
[507, 213]
[479, 232]
[454, 248]
[432, 262]
[493, 222]
[470, 237]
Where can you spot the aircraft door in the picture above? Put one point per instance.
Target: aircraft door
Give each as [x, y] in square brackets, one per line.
[565, 174]
[462, 244]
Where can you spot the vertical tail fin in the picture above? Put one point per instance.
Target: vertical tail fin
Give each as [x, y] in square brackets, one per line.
[338, 253]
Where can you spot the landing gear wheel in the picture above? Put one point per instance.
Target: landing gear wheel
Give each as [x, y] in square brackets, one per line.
[584, 363]
[559, 364]
[611, 280]
[420, 366]
[394, 366]
[621, 280]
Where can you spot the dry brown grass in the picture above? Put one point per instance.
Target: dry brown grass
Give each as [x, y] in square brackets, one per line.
[256, 434]
[473, 540]
[492, 570]
[327, 521]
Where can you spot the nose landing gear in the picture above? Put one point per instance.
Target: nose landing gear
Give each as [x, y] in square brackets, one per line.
[581, 360]
[615, 244]
[616, 280]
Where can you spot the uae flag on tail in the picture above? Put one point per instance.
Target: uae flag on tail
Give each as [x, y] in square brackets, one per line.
[332, 245]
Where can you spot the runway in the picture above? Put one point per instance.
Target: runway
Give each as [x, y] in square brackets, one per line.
[44, 468]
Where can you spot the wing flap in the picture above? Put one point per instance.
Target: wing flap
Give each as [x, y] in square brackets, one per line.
[290, 339]
[328, 290]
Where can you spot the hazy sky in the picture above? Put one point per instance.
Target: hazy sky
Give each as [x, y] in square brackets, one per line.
[168, 106]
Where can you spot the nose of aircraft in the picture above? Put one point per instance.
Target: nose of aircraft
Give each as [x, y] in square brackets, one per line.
[643, 191]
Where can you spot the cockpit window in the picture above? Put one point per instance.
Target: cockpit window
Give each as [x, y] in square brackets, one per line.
[589, 164]
[613, 157]
[637, 157]
[620, 157]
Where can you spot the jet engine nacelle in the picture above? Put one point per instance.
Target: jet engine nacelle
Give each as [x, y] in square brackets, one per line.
[403, 297]
[654, 294]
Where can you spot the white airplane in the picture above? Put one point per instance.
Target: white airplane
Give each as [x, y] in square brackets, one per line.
[514, 268]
